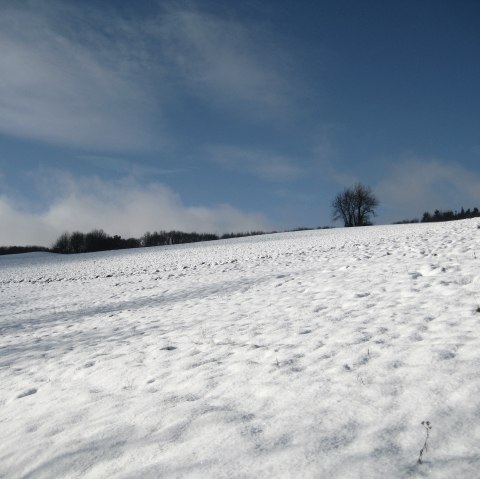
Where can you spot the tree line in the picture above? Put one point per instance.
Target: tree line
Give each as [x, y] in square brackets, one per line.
[98, 240]
[95, 240]
[22, 249]
[447, 215]
[450, 215]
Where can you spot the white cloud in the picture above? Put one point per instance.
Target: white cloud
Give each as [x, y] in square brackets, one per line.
[123, 207]
[264, 164]
[416, 185]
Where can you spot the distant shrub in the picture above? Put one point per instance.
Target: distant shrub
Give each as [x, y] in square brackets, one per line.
[406, 222]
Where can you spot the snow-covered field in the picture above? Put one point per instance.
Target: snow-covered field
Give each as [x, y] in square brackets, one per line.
[314, 354]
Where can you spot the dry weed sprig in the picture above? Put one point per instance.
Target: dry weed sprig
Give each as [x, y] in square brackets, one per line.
[428, 427]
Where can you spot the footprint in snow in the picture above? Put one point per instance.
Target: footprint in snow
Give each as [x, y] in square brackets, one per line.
[89, 364]
[169, 348]
[362, 295]
[26, 393]
[416, 337]
[445, 355]
[395, 364]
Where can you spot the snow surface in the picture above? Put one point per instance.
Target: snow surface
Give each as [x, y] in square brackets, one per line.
[311, 354]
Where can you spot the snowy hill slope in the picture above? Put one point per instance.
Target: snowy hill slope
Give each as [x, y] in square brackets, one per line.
[309, 354]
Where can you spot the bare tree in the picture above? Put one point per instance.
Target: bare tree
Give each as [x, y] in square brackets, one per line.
[62, 244]
[77, 242]
[355, 205]
[97, 240]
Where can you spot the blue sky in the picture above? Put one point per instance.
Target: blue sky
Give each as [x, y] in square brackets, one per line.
[223, 116]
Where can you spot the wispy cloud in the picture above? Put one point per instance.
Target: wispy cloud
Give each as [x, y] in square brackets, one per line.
[89, 77]
[263, 164]
[229, 63]
[415, 185]
[124, 207]
[127, 167]
[71, 76]
[326, 159]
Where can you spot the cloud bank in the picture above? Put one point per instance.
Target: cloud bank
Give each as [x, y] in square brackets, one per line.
[123, 207]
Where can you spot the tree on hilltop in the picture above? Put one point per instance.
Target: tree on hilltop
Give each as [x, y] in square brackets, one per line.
[355, 205]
